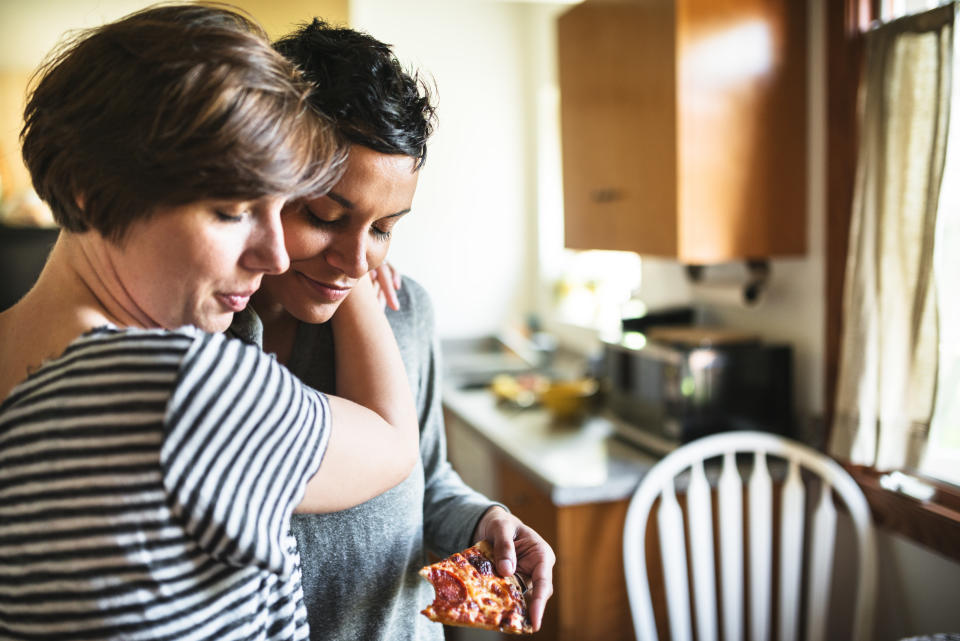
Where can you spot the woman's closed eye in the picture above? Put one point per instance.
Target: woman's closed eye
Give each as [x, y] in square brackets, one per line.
[313, 218]
[382, 228]
[379, 230]
[233, 211]
[229, 217]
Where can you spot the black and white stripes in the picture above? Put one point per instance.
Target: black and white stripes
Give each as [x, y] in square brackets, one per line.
[146, 484]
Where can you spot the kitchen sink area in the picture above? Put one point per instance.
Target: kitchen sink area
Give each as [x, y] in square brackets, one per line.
[474, 362]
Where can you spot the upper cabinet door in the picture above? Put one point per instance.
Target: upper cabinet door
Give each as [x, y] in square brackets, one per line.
[684, 127]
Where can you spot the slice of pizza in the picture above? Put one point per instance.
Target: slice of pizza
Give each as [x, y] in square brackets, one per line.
[471, 594]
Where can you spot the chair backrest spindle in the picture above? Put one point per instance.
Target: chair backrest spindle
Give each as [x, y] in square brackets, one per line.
[700, 515]
[822, 542]
[792, 506]
[670, 523]
[730, 502]
[761, 548]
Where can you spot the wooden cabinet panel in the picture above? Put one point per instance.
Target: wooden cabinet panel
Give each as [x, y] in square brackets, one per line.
[684, 127]
[618, 123]
[592, 594]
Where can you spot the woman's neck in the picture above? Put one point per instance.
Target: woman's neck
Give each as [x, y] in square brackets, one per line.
[76, 292]
[83, 261]
[279, 327]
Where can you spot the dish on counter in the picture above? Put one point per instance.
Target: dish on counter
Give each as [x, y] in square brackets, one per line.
[564, 399]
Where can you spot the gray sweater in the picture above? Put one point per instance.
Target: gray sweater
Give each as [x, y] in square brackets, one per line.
[360, 565]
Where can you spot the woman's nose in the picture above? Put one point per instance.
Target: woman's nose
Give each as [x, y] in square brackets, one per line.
[349, 255]
[268, 253]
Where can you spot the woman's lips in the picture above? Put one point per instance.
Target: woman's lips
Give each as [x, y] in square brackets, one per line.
[331, 293]
[234, 302]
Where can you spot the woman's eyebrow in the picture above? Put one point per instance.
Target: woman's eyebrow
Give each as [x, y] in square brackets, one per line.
[340, 200]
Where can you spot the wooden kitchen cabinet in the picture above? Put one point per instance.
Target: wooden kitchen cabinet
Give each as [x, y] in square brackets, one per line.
[684, 130]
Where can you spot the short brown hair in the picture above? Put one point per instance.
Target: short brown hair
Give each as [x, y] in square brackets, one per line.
[170, 105]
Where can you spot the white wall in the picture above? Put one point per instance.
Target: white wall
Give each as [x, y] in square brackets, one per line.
[918, 590]
[471, 237]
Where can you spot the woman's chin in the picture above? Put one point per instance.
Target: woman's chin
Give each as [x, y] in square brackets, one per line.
[214, 324]
[314, 314]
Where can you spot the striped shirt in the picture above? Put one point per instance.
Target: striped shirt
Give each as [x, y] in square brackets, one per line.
[147, 479]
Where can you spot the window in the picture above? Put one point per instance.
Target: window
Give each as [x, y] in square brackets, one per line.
[595, 287]
[928, 514]
[892, 9]
[941, 458]
[887, 384]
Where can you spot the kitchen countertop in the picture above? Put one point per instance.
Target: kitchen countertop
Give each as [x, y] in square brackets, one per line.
[573, 463]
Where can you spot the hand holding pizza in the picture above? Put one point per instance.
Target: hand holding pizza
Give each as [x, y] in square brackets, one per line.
[518, 548]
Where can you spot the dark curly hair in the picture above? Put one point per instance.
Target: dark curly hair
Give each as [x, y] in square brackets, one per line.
[363, 88]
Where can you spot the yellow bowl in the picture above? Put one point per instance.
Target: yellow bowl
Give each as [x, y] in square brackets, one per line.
[567, 400]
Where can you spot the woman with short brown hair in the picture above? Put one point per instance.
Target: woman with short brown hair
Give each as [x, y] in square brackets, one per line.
[149, 466]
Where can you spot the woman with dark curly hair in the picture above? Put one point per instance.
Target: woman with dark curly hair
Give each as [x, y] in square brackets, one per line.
[334, 241]
[149, 466]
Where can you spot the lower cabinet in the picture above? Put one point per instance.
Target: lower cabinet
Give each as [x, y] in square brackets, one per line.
[590, 598]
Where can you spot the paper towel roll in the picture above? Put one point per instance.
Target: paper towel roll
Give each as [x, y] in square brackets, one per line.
[728, 293]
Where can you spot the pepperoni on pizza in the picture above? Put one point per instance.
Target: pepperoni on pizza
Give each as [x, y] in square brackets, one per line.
[470, 593]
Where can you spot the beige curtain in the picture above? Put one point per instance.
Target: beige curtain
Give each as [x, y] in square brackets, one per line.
[889, 347]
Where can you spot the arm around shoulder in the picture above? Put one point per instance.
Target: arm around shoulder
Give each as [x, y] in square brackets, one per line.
[374, 442]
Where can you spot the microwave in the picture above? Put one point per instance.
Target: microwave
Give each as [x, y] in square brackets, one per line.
[666, 393]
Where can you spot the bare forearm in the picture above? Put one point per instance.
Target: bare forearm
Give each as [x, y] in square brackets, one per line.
[375, 438]
[369, 369]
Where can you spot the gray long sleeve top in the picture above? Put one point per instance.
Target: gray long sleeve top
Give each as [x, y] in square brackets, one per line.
[360, 565]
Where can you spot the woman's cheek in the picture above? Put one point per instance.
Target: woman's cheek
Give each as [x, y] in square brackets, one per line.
[303, 242]
[376, 257]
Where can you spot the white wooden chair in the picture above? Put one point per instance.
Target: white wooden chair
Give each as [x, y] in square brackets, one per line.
[820, 534]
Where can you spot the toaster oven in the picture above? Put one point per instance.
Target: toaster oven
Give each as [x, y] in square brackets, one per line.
[674, 391]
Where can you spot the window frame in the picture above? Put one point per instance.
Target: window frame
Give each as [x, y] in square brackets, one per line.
[934, 523]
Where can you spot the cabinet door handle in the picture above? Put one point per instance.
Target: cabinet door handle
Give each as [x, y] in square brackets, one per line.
[605, 195]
